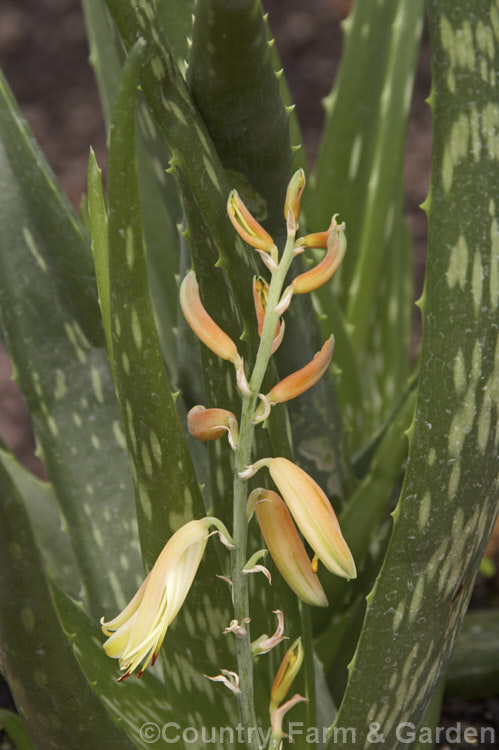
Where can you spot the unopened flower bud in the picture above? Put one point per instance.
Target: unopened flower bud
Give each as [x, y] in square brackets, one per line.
[323, 271]
[210, 424]
[301, 380]
[293, 195]
[247, 226]
[290, 666]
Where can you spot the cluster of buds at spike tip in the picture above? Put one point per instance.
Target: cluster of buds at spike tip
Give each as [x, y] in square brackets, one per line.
[135, 635]
[335, 242]
[211, 424]
[312, 512]
[290, 666]
[203, 324]
[251, 231]
[286, 547]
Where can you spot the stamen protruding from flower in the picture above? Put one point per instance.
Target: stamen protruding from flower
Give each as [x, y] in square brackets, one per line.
[247, 226]
[228, 678]
[203, 324]
[264, 644]
[293, 195]
[210, 424]
[323, 271]
[313, 515]
[289, 668]
[285, 546]
[301, 380]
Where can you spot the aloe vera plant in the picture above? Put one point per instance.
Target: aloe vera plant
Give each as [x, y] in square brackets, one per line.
[174, 345]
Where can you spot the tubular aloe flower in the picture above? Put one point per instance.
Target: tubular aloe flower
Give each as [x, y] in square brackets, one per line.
[247, 226]
[314, 516]
[323, 271]
[202, 324]
[136, 634]
[210, 424]
[286, 548]
[290, 666]
[260, 294]
[301, 380]
[293, 195]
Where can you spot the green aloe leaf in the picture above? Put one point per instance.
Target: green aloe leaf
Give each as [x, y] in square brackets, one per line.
[47, 524]
[473, 669]
[52, 324]
[50, 690]
[176, 17]
[160, 203]
[361, 155]
[450, 493]
[15, 730]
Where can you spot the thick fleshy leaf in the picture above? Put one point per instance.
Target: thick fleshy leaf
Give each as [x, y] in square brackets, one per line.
[473, 669]
[15, 730]
[450, 495]
[51, 692]
[51, 319]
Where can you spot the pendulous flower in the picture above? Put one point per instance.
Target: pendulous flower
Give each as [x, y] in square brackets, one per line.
[301, 380]
[210, 424]
[285, 546]
[136, 634]
[335, 241]
[203, 324]
[313, 515]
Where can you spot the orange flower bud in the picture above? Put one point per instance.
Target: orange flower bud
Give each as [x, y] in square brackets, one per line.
[293, 195]
[260, 294]
[202, 324]
[246, 225]
[290, 666]
[323, 271]
[210, 424]
[313, 515]
[301, 380]
[286, 548]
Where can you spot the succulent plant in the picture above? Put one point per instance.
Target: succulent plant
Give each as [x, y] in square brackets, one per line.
[219, 346]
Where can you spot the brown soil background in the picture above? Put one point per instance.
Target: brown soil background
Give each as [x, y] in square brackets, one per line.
[44, 54]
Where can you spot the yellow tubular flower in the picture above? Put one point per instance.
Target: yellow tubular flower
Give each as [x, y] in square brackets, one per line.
[136, 634]
[313, 515]
[286, 548]
[202, 324]
[290, 666]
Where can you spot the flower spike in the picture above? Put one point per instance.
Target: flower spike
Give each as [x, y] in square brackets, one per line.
[247, 226]
[285, 546]
[323, 271]
[136, 634]
[203, 324]
[313, 515]
[210, 424]
[301, 380]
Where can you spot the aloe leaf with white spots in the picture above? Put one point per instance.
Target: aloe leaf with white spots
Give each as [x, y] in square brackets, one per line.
[51, 692]
[450, 494]
[57, 345]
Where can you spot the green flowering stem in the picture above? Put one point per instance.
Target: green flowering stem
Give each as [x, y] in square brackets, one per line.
[242, 460]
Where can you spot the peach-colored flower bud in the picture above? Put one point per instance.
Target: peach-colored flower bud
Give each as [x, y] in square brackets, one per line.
[210, 424]
[293, 195]
[202, 324]
[323, 271]
[260, 295]
[290, 666]
[286, 548]
[246, 225]
[313, 515]
[301, 380]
